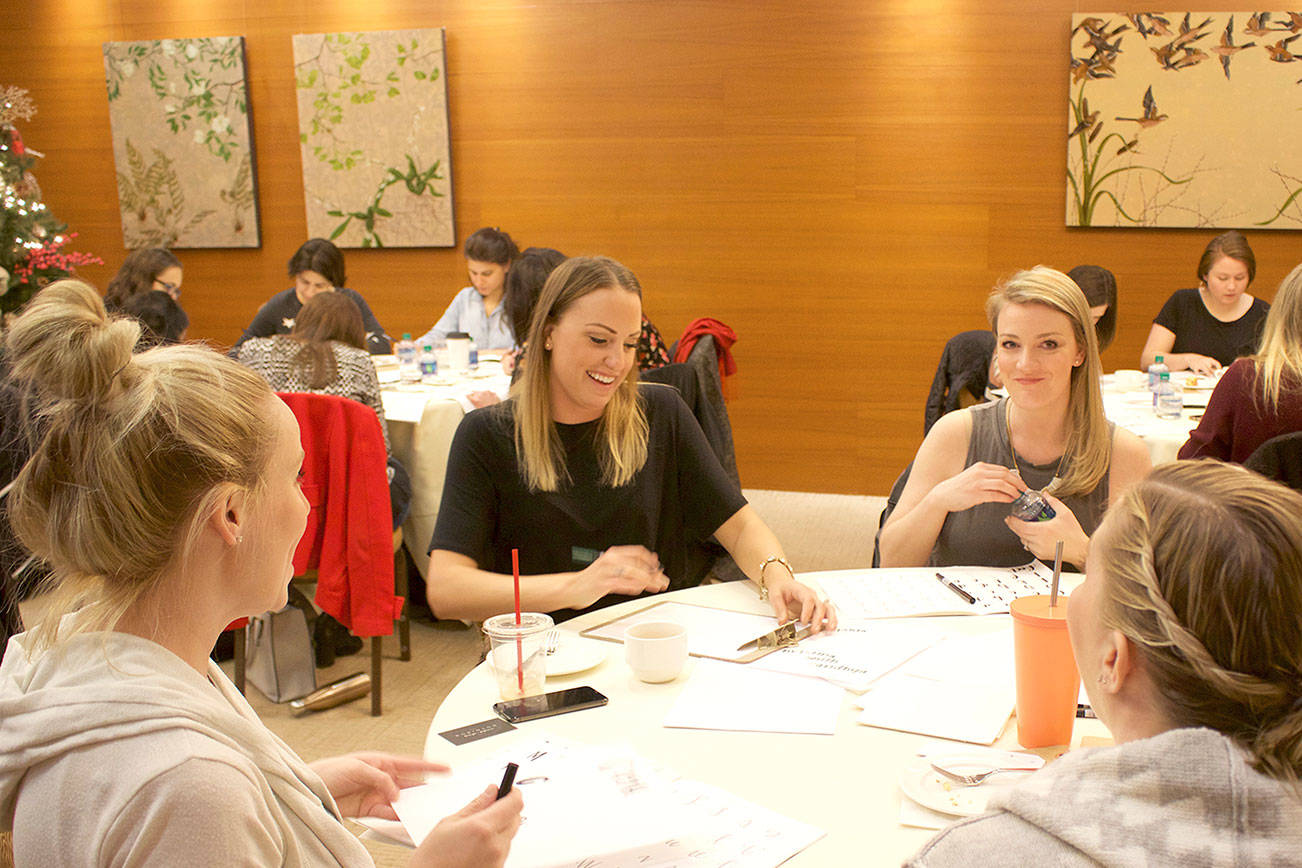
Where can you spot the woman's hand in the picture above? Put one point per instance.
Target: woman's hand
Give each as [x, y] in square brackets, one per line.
[483, 398]
[1040, 538]
[365, 783]
[630, 570]
[788, 597]
[979, 483]
[477, 836]
[1203, 366]
[509, 358]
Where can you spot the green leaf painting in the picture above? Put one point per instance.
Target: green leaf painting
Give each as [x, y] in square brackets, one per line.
[1185, 119]
[373, 127]
[182, 143]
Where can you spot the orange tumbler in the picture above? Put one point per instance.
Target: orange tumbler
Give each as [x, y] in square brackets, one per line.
[1047, 681]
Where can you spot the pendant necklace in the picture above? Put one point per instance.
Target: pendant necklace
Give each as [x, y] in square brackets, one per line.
[1008, 427]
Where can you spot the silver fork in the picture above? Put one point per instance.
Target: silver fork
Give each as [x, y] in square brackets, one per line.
[973, 780]
[552, 641]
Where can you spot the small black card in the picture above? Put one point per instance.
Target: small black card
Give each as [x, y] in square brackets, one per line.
[476, 731]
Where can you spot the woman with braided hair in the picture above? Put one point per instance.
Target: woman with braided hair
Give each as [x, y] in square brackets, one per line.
[1187, 636]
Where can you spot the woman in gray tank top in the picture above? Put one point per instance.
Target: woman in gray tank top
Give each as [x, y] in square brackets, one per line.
[1050, 434]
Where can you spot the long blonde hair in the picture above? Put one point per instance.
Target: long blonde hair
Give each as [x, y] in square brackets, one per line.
[1202, 567]
[1089, 443]
[1279, 361]
[622, 428]
[131, 450]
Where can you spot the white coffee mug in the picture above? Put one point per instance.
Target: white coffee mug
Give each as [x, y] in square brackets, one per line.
[1131, 380]
[656, 650]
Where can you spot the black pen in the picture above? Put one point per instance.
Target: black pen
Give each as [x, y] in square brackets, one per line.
[508, 778]
[971, 600]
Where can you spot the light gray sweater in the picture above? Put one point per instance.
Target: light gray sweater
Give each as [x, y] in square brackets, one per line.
[114, 752]
[1186, 798]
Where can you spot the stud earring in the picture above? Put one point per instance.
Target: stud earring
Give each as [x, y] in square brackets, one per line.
[548, 346]
[239, 539]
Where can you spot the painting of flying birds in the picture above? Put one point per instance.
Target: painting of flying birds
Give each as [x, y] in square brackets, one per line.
[1185, 119]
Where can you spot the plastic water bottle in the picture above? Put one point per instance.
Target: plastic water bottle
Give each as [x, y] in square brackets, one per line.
[1158, 367]
[429, 365]
[1170, 400]
[408, 363]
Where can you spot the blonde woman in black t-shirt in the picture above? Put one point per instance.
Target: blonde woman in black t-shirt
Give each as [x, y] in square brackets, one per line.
[606, 486]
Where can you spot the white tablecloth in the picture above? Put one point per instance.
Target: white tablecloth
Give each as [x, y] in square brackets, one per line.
[844, 783]
[1133, 410]
[422, 420]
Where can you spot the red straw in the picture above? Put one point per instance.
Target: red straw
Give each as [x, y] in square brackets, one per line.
[519, 646]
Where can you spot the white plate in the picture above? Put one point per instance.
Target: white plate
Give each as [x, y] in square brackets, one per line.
[575, 654]
[928, 788]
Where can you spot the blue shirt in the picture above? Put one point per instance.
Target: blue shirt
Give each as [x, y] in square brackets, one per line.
[466, 314]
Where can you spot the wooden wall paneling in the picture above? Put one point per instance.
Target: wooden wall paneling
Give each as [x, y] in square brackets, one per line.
[841, 182]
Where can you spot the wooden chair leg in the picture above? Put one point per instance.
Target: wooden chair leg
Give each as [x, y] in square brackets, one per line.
[375, 675]
[239, 658]
[401, 589]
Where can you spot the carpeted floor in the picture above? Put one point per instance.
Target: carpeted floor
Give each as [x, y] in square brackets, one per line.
[818, 531]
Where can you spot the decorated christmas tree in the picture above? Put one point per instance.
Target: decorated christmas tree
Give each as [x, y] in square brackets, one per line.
[32, 241]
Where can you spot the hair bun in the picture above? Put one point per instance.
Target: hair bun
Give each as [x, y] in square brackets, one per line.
[67, 345]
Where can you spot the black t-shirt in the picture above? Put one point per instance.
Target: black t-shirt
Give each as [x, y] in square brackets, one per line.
[675, 503]
[276, 317]
[1197, 331]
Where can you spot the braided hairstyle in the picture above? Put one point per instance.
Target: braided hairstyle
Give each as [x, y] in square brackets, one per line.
[131, 450]
[1203, 567]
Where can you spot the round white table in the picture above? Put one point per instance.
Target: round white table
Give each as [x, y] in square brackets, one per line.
[844, 784]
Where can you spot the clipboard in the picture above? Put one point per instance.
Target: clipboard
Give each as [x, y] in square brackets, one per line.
[711, 632]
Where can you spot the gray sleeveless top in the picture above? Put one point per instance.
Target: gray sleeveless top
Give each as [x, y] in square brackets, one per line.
[978, 536]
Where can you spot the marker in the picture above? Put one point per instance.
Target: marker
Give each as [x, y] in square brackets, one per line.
[968, 598]
[508, 778]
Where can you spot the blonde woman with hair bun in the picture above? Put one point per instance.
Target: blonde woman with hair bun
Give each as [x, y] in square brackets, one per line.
[1187, 637]
[605, 486]
[1260, 396]
[1049, 434]
[163, 493]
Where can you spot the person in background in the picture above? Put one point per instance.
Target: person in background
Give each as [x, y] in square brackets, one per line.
[1100, 288]
[317, 266]
[1187, 639]
[1049, 434]
[477, 310]
[607, 487]
[1205, 329]
[144, 270]
[1258, 397]
[524, 284]
[163, 319]
[324, 354]
[165, 497]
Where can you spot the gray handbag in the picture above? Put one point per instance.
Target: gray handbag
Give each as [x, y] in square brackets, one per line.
[280, 662]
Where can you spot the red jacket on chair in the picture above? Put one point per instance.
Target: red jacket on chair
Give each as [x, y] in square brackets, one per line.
[349, 535]
[724, 338]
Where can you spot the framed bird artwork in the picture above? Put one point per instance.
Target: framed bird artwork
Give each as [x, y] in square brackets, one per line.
[1185, 119]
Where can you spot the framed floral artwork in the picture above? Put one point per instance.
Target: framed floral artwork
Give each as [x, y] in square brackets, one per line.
[373, 127]
[182, 142]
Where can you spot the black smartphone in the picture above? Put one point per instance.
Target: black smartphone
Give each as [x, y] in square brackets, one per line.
[547, 704]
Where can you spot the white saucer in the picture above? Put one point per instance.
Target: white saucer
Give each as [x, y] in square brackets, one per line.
[928, 788]
[575, 654]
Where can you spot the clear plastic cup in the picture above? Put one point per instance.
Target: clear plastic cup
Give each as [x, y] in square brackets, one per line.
[517, 652]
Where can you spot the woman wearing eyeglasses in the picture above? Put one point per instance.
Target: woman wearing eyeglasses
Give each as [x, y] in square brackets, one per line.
[147, 270]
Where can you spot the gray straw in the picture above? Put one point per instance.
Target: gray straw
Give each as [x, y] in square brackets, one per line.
[1057, 574]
